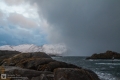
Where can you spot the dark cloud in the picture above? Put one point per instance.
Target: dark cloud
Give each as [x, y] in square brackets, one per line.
[86, 26]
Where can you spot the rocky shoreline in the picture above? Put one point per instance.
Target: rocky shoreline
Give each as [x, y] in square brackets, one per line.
[40, 66]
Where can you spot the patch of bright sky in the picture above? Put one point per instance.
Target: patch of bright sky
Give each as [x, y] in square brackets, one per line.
[25, 9]
[30, 12]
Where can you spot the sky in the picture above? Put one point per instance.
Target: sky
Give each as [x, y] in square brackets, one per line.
[85, 26]
[20, 23]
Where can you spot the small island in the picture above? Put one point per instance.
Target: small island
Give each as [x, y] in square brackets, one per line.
[106, 55]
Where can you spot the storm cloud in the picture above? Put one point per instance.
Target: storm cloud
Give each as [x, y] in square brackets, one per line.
[85, 26]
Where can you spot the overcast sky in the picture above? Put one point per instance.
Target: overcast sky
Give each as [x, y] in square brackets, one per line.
[85, 26]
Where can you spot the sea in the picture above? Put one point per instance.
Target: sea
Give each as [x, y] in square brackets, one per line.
[105, 69]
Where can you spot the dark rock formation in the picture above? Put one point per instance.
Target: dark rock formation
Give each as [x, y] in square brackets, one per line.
[36, 61]
[40, 66]
[58, 74]
[74, 74]
[106, 55]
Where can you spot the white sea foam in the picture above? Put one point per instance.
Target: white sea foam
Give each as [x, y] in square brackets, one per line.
[111, 67]
[108, 63]
[103, 60]
[106, 76]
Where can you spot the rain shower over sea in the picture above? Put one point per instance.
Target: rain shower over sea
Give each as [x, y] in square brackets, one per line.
[105, 69]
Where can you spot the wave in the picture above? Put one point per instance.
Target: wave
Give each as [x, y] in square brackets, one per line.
[106, 76]
[103, 60]
[108, 63]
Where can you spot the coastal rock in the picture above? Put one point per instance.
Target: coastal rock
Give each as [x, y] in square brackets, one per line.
[56, 64]
[44, 77]
[4, 54]
[74, 74]
[12, 61]
[106, 55]
[58, 74]
[40, 66]
[33, 63]
[27, 74]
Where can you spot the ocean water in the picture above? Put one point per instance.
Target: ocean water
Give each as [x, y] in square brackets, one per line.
[105, 69]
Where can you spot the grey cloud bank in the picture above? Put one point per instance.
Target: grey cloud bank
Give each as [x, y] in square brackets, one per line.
[86, 26]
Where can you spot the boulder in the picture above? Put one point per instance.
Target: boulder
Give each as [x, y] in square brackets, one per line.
[74, 74]
[107, 55]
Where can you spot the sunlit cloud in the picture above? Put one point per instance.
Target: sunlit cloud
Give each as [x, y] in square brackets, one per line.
[20, 20]
[20, 23]
[25, 9]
